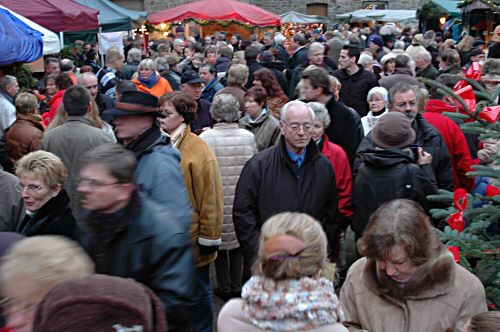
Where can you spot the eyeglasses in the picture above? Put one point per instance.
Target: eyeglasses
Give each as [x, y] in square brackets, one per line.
[93, 184]
[31, 188]
[297, 126]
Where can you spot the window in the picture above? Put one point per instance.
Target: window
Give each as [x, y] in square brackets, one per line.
[320, 9]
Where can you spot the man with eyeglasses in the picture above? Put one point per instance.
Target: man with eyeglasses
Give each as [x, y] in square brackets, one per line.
[158, 171]
[403, 98]
[290, 176]
[72, 139]
[129, 235]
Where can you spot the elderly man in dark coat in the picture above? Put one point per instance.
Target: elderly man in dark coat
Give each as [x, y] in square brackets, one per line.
[291, 176]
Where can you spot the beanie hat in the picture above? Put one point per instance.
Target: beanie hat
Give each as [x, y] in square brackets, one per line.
[393, 130]
[376, 40]
[100, 303]
[475, 52]
[266, 56]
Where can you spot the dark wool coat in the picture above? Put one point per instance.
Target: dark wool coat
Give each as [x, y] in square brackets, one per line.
[271, 183]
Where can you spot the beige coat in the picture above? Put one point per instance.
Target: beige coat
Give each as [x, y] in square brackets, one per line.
[69, 142]
[232, 146]
[441, 297]
[232, 319]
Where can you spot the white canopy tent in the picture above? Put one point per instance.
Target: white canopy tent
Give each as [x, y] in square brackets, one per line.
[294, 17]
[386, 15]
[51, 43]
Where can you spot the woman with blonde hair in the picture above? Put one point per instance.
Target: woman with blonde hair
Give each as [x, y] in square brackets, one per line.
[31, 268]
[148, 80]
[287, 291]
[408, 280]
[41, 179]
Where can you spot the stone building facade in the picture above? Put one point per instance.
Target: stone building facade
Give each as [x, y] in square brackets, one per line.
[317, 7]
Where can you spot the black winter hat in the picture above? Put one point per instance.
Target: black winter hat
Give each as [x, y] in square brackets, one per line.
[135, 103]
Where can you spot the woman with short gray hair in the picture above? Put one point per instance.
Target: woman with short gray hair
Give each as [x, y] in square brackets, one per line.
[339, 160]
[232, 146]
[377, 101]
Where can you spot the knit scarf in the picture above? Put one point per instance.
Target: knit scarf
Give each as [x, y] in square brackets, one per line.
[149, 82]
[144, 141]
[291, 305]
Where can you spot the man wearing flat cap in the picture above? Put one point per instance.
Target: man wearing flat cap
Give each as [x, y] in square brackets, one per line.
[191, 83]
[158, 170]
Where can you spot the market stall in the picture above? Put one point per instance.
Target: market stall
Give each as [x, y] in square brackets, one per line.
[480, 17]
[56, 15]
[20, 43]
[51, 43]
[218, 14]
[405, 17]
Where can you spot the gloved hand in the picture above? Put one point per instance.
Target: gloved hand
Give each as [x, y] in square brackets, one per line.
[207, 250]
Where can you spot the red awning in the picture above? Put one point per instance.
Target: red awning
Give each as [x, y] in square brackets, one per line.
[224, 10]
[56, 15]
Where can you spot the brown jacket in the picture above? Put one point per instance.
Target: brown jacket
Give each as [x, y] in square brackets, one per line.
[203, 183]
[440, 297]
[24, 136]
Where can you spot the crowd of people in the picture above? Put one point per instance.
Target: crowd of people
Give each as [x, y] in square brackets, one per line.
[124, 181]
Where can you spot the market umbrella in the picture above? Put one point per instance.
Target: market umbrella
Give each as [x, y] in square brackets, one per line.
[222, 10]
[20, 43]
[50, 40]
[56, 15]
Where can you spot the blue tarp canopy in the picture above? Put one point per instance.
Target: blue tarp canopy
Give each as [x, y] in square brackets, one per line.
[20, 43]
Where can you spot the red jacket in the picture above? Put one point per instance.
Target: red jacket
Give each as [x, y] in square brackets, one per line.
[343, 175]
[454, 138]
[53, 103]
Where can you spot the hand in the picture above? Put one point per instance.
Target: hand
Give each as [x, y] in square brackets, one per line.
[423, 157]
[207, 250]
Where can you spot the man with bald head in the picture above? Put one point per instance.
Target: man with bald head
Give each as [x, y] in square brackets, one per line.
[89, 81]
[291, 176]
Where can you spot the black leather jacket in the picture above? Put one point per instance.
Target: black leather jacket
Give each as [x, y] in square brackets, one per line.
[145, 242]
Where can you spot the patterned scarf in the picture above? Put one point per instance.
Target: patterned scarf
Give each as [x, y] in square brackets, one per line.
[291, 305]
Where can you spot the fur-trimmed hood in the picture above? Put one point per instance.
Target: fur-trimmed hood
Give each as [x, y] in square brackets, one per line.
[433, 278]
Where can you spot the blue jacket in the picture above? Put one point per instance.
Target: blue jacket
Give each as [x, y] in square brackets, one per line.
[159, 174]
[211, 89]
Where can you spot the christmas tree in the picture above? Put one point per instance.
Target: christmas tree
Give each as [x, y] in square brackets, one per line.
[472, 220]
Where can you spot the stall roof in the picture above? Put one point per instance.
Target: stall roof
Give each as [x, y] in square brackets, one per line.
[51, 43]
[224, 10]
[384, 15]
[113, 17]
[450, 6]
[295, 17]
[20, 43]
[56, 15]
